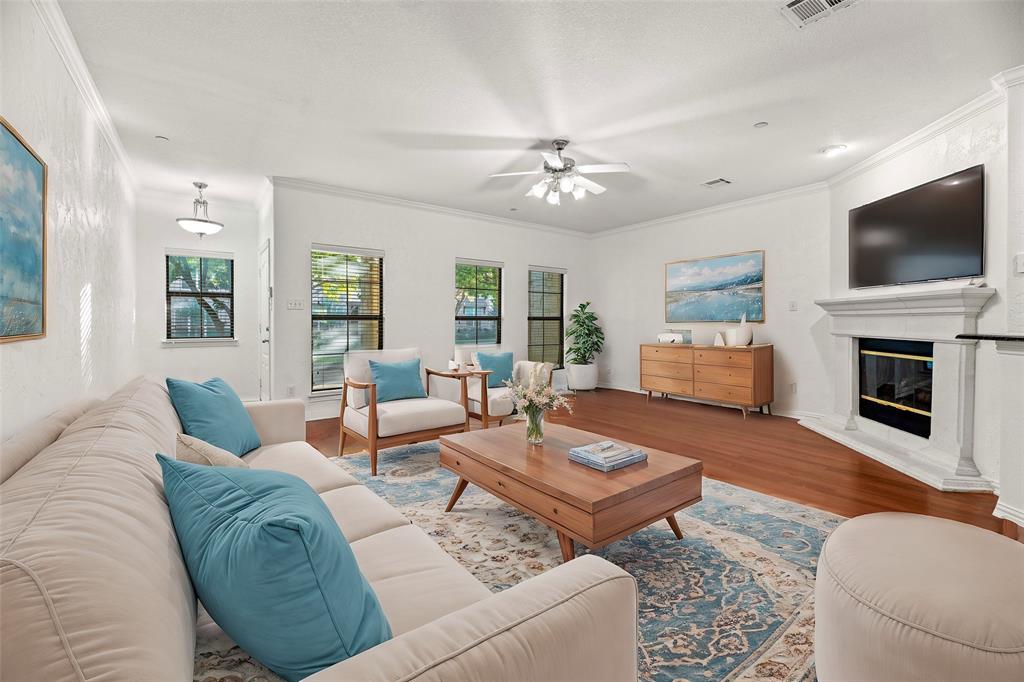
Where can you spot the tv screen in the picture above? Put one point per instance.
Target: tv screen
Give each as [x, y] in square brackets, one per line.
[934, 231]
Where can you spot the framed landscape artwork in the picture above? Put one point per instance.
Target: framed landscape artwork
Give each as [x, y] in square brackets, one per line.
[22, 238]
[715, 289]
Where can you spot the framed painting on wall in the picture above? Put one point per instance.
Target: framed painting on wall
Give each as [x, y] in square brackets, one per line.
[715, 289]
[22, 238]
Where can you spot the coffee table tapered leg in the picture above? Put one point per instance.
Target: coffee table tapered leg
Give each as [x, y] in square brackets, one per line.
[671, 518]
[565, 544]
[457, 493]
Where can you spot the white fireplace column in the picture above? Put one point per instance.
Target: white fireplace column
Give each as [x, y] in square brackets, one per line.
[945, 460]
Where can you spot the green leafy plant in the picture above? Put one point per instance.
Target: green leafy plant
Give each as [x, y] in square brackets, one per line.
[587, 336]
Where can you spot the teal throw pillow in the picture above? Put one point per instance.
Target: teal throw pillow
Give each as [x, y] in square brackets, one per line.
[212, 411]
[397, 380]
[500, 364]
[270, 565]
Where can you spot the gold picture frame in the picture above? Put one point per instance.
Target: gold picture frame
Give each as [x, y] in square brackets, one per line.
[24, 229]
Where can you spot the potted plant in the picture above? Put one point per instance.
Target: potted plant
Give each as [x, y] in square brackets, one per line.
[587, 341]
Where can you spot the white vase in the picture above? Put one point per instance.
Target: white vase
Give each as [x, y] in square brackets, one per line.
[582, 377]
[719, 339]
[741, 335]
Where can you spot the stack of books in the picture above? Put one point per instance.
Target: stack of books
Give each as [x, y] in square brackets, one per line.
[606, 455]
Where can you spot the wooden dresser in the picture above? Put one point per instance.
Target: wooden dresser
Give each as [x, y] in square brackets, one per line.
[741, 376]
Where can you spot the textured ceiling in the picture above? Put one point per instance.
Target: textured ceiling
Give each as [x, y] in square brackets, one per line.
[423, 100]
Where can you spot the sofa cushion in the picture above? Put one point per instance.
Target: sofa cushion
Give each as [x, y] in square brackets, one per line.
[23, 446]
[212, 411]
[357, 368]
[93, 585]
[407, 416]
[196, 451]
[271, 567]
[397, 380]
[359, 513]
[499, 400]
[415, 580]
[303, 460]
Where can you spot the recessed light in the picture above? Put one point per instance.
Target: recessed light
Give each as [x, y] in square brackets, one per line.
[833, 149]
[761, 124]
[162, 138]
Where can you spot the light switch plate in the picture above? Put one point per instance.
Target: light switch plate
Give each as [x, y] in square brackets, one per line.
[793, 306]
[1018, 264]
[295, 304]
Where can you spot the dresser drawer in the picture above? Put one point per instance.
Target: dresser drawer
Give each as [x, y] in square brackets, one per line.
[666, 385]
[672, 370]
[726, 394]
[667, 353]
[725, 358]
[538, 503]
[730, 376]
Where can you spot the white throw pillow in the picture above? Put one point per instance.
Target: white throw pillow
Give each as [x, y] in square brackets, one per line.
[195, 451]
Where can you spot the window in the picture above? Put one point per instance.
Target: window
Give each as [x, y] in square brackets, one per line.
[347, 306]
[545, 324]
[477, 303]
[200, 297]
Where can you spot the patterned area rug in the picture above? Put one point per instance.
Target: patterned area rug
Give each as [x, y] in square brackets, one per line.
[733, 600]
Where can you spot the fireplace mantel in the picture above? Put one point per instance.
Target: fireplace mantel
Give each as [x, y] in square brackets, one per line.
[944, 460]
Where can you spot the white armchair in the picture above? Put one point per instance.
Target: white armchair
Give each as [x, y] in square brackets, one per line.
[495, 403]
[398, 422]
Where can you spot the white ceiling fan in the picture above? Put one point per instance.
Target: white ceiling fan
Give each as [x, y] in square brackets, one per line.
[561, 174]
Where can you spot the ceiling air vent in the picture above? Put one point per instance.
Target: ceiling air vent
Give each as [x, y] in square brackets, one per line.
[803, 12]
[717, 182]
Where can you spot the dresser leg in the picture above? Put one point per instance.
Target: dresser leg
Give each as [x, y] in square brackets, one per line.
[744, 411]
[769, 408]
[648, 396]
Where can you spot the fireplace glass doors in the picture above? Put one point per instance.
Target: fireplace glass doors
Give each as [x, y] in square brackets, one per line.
[896, 384]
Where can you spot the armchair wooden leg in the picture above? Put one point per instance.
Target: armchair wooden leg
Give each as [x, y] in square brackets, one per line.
[373, 460]
[341, 441]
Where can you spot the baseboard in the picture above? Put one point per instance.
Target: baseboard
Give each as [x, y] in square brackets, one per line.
[792, 414]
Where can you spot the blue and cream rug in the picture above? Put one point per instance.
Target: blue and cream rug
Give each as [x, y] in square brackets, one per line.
[732, 600]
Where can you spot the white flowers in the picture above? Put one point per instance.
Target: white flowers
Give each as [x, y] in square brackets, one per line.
[537, 396]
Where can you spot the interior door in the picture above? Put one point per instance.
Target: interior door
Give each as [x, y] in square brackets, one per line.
[266, 302]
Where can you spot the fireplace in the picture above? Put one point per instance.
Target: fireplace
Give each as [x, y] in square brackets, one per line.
[896, 384]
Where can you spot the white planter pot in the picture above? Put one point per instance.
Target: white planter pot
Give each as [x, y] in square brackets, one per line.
[581, 377]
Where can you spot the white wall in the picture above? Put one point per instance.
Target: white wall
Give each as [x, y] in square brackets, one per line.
[235, 362]
[977, 138]
[420, 248]
[628, 287]
[89, 347]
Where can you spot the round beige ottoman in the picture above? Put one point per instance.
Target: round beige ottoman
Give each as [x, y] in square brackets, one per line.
[907, 597]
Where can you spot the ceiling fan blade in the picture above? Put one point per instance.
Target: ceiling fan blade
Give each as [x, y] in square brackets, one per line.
[588, 185]
[604, 168]
[505, 175]
[552, 159]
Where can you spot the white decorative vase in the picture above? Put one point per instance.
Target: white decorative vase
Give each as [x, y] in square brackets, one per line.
[719, 339]
[741, 335]
[582, 377]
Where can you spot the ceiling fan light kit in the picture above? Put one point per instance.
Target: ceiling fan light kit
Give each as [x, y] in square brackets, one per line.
[562, 175]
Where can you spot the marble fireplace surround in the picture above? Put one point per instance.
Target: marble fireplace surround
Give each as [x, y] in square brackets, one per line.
[945, 460]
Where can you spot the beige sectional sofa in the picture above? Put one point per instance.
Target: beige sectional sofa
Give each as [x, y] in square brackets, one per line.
[93, 586]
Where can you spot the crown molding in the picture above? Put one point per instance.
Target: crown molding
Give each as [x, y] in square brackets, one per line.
[1009, 78]
[64, 42]
[752, 201]
[975, 107]
[323, 188]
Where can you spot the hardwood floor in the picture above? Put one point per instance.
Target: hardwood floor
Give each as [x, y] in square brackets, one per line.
[772, 455]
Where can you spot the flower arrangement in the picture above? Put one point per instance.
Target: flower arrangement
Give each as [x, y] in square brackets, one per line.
[533, 401]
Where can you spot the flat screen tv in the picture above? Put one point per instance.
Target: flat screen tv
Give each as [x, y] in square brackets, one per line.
[931, 232]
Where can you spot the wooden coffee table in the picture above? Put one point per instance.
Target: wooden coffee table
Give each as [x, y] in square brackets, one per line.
[578, 502]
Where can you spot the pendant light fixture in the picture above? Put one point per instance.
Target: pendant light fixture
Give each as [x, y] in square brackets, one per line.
[196, 225]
